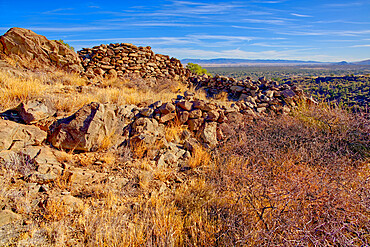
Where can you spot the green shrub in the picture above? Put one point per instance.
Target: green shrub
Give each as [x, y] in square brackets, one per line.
[197, 69]
[64, 43]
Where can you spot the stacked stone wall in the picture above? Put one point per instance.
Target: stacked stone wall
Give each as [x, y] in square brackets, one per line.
[120, 59]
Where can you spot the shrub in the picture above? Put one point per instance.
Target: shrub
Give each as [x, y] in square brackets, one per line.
[196, 69]
[64, 43]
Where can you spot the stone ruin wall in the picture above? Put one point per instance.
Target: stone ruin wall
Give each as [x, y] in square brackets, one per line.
[120, 59]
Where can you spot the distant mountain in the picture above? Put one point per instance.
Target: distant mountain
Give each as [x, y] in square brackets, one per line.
[232, 61]
[365, 62]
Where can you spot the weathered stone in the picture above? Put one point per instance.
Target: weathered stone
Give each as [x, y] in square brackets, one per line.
[35, 110]
[261, 109]
[288, 93]
[195, 114]
[237, 89]
[87, 128]
[185, 105]
[208, 133]
[213, 116]
[195, 124]
[24, 45]
[167, 108]
[107, 67]
[147, 112]
[15, 136]
[167, 117]
[7, 216]
[183, 116]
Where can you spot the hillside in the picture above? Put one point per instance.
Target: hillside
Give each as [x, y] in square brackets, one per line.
[124, 147]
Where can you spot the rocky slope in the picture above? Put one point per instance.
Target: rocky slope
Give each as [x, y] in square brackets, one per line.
[123, 157]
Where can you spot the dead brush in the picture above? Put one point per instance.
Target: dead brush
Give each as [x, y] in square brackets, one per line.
[199, 158]
[292, 181]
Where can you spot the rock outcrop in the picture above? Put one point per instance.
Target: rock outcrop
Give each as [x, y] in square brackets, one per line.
[15, 136]
[36, 51]
[30, 111]
[115, 60]
[89, 127]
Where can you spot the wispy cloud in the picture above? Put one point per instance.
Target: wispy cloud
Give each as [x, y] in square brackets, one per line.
[300, 15]
[168, 24]
[325, 33]
[238, 53]
[70, 29]
[221, 37]
[344, 5]
[367, 45]
[267, 21]
[60, 11]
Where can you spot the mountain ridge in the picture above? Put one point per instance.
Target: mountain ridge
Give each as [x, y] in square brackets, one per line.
[240, 62]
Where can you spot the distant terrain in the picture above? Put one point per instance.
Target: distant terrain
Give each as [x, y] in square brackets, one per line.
[225, 62]
[344, 85]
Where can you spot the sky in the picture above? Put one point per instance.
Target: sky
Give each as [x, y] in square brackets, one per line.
[315, 30]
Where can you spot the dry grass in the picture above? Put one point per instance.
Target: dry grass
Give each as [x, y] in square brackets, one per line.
[199, 158]
[69, 91]
[14, 89]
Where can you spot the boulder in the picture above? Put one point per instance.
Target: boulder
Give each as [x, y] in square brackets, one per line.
[183, 116]
[167, 108]
[167, 117]
[86, 129]
[288, 93]
[7, 216]
[37, 51]
[208, 133]
[15, 136]
[185, 105]
[213, 116]
[195, 124]
[197, 113]
[33, 110]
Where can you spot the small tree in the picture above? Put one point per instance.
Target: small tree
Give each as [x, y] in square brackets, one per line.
[197, 69]
[64, 43]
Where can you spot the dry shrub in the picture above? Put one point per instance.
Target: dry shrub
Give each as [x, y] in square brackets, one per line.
[293, 182]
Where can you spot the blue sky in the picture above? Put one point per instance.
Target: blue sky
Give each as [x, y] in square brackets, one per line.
[268, 29]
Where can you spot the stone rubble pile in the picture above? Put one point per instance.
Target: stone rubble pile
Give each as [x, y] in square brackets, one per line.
[258, 96]
[115, 60]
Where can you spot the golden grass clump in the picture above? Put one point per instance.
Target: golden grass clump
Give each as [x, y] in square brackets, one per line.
[15, 89]
[199, 158]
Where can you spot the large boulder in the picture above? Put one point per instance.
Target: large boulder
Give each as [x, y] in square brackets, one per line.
[36, 51]
[15, 136]
[90, 128]
[30, 111]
